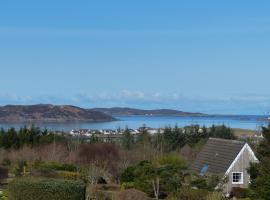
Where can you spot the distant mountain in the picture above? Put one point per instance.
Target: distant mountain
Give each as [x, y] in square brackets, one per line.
[50, 113]
[118, 111]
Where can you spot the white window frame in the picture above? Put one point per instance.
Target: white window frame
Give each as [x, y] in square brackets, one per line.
[242, 178]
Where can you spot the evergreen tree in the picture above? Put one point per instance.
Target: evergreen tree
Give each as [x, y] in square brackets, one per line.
[128, 139]
[174, 138]
[259, 173]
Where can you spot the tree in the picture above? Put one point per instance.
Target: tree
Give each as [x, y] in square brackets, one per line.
[259, 173]
[32, 136]
[128, 139]
[160, 176]
[158, 142]
[222, 132]
[144, 142]
[194, 134]
[98, 160]
[174, 138]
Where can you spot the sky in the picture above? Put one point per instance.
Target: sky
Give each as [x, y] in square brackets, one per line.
[200, 56]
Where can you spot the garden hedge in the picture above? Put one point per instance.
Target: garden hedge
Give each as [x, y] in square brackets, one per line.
[46, 189]
[57, 166]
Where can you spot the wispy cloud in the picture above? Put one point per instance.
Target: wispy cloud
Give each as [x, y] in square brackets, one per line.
[13, 98]
[241, 104]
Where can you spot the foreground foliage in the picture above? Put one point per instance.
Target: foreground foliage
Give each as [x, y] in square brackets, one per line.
[259, 173]
[157, 178]
[44, 189]
[149, 163]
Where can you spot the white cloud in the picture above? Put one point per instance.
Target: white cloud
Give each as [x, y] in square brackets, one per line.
[240, 104]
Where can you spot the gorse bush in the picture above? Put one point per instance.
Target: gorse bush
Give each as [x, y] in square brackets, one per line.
[68, 175]
[46, 189]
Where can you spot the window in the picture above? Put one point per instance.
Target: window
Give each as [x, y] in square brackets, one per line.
[237, 177]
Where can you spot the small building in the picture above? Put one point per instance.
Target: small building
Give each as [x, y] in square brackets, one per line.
[228, 159]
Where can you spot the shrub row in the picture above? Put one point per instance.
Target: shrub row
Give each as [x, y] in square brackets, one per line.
[45, 188]
[57, 166]
[50, 173]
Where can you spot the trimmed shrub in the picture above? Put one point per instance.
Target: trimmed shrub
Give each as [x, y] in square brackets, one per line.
[44, 189]
[48, 173]
[57, 166]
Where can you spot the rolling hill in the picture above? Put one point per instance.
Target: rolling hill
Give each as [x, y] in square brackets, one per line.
[50, 113]
[118, 111]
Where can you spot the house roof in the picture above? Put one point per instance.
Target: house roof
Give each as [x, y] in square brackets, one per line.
[217, 155]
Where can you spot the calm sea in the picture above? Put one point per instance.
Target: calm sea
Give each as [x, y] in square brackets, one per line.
[252, 122]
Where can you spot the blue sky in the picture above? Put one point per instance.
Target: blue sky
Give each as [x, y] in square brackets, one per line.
[205, 56]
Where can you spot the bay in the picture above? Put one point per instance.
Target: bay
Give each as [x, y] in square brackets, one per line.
[252, 122]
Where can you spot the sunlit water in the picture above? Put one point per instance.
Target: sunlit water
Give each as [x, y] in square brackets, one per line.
[241, 121]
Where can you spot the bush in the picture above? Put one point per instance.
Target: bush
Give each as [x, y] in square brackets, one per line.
[4, 195]
[128, 175]
[6, 162]
[49, 173]
[18, 169]
[98, 193]
[208, 183]
[132, 194]
[215, 196]
[239, 192]
[3, 173]
[57, 166]
[44, 189]
[68, 175]
[127, 185]
[199, 183]
[191, 194]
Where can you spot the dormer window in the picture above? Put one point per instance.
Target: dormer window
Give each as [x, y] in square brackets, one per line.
[237, 178]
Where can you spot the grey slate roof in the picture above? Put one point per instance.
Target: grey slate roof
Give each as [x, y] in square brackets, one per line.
[218, 154]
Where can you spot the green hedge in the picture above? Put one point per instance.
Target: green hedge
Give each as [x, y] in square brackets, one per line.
[45, 189]
[57, 166]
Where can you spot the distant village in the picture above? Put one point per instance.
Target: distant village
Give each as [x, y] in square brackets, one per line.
[117, 134]
[90, 132]
[112, 134]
